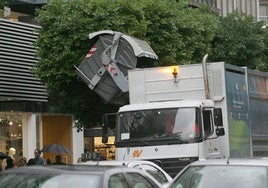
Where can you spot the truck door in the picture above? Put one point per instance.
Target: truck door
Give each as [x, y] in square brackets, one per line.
[209, 148]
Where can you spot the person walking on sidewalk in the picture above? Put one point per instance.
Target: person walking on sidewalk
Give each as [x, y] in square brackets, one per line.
[38, 159]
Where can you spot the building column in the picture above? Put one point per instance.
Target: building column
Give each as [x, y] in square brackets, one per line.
[78, 143]
[28, 135]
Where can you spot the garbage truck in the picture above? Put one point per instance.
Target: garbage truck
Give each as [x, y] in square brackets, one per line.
[175, 115]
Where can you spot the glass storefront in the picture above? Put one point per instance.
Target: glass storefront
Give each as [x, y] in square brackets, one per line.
[106, 150]
[11, 133]
[94, 149]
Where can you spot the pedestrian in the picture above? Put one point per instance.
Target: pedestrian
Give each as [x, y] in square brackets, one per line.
[79, 160]
[48, 161]
[22, 161]
[38, 159]
[58, 161]
[31, 162]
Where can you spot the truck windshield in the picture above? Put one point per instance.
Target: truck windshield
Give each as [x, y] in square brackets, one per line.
[173, 126]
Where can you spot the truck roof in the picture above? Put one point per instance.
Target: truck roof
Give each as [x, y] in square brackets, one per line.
[168, 104]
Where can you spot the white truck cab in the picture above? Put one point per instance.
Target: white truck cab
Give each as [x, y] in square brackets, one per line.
[175, 115]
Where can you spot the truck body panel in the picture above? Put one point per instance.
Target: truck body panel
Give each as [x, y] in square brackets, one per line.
[177, 114]
[230, 89]
[158, 84]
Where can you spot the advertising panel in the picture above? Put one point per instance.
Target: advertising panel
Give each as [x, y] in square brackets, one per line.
[238, 117]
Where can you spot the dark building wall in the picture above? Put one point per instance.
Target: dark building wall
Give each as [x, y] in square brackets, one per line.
[17, 58]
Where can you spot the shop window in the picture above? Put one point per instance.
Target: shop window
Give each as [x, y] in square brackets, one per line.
[11, 133]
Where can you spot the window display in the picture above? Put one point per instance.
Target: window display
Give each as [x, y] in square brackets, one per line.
[11, 133]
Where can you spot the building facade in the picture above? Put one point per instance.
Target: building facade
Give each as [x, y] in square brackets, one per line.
[263, 10]
[24, 10]
[256, 8]
[25, 123]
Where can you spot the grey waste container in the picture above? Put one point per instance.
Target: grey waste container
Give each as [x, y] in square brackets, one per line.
[105, 66]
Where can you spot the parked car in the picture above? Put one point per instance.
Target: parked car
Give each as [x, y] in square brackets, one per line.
[222, 173]
[73, 176]
[153, 169]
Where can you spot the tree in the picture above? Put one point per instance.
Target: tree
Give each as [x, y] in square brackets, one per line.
[240, 40]
[177, 33]
[5, 3]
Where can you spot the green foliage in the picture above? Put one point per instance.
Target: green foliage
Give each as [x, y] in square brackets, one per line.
[239, 40]
[4, 3]
[178, 33]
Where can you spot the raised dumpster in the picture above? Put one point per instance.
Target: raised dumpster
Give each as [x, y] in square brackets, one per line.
[106, 64]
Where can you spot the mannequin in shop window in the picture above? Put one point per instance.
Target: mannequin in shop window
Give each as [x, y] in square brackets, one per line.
[11, 153]
[10, 161]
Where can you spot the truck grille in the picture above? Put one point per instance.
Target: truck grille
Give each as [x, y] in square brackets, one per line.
[174, 165]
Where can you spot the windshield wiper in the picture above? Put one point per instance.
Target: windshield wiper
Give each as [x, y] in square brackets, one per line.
[174, 139]
[139, 141]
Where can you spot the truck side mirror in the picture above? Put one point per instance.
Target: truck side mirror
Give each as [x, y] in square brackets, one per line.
[218, 117]
[104, 129]
[104, 134]
[218, 121]
[108, 122]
